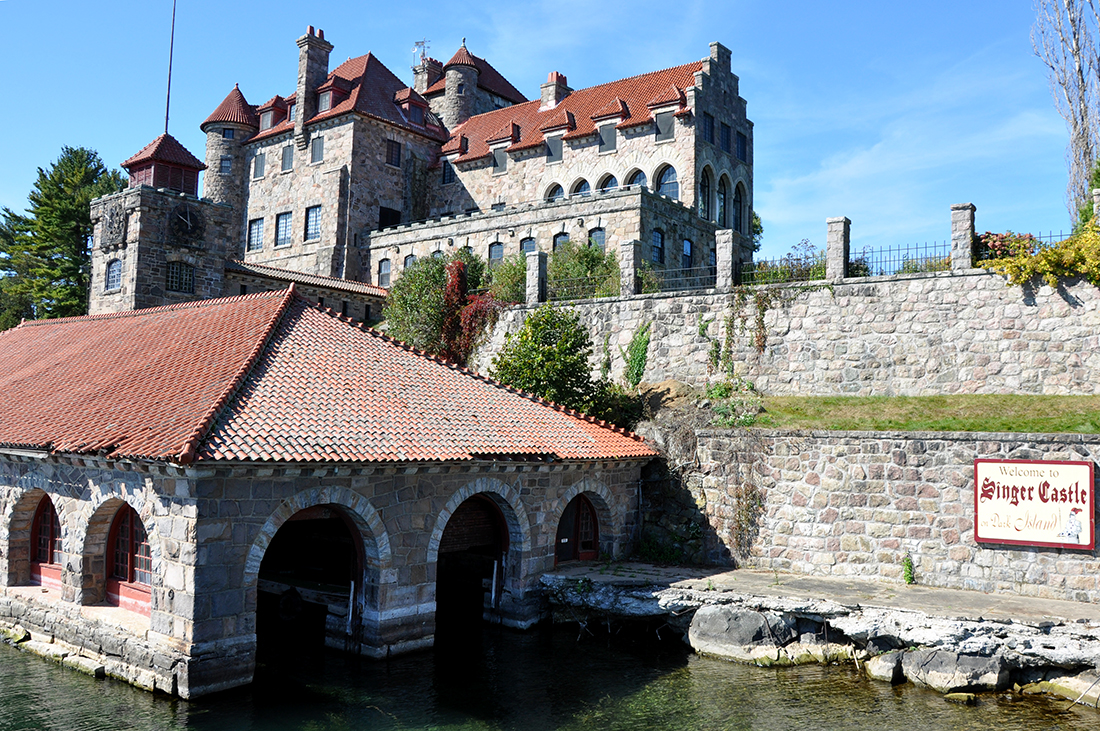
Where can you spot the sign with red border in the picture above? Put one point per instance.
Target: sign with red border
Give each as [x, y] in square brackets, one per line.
[1034, 503]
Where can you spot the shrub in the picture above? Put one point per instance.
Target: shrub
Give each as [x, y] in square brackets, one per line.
[735, 402]
[636, 355]
[548, 357]
[582, 271]
[508, 280]
[1022, 258]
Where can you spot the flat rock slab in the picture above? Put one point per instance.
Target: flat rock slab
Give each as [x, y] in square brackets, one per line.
[86, 665]
[950, 672]
[47, 650]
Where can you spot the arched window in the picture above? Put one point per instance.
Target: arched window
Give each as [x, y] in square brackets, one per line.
[582, 188]
[738, 204]
[131, 563]
[555, 193]
[410, 260]
[560, 240]
[46, 545]
[720, 219]
[657, 251]
[527, 245]
[181, 277]
[637, 178]
[437, 254]
[666, 182]
[114, 275]
[597, 237]
[609, 182]
[685, 258]
[384, 273]
[704, 196]
[496, 253]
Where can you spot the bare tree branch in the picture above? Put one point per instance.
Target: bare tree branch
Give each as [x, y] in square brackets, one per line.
[1063, 39]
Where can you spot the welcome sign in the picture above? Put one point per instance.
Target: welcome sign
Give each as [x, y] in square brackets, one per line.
[1034, 503]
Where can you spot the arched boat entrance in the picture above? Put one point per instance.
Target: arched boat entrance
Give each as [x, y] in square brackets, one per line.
[470, 568]
[308, 582]
[578, 536]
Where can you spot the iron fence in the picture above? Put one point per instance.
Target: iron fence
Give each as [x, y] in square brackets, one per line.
[581, 288]
[668, 280]
[805, 267]
[901, 259]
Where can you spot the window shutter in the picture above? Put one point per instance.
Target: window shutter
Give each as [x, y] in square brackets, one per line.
[607, 138]
[553, 149]
[665, 126]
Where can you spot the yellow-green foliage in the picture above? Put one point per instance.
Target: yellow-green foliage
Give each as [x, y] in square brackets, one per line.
[1076, 257]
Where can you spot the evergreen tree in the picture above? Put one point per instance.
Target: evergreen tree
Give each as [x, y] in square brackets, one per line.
[45, 254]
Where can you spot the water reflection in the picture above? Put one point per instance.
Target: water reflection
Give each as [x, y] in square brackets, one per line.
[505, 680]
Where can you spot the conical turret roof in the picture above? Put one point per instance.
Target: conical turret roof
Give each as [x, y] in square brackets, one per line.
[462, 57]
[234, 108]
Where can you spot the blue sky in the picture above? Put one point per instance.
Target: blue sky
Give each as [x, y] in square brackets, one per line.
[883, 112]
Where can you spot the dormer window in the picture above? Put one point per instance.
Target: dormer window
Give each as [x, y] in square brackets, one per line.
[291, 112]
[324, 101]
[416, 114]
[266, 120]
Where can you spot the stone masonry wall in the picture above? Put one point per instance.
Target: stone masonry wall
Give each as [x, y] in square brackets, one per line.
[948, 332]
[854, 503]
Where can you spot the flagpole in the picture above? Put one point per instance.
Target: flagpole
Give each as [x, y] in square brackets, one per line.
[171, 49]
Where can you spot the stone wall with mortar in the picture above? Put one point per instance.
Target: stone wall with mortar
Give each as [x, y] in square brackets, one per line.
[855, 503]
[904, 335]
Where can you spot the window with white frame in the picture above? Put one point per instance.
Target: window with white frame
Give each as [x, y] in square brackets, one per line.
[410, 260]
[288, 158]
[496, 254]
[255, 235]
[225, 165]
[258, 165]
[597, 237]
[384, 273]
[282, 229]
[317, 149]
[313, 223]
[114, 275]
[324, 101]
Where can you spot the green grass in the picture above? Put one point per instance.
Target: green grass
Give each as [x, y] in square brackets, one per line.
[994, 413]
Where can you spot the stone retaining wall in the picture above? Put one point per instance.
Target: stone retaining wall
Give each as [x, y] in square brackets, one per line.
[855, 503]
[948, 332]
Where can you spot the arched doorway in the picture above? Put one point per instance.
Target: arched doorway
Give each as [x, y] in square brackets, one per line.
[308, 581]
[578, 532]
[470, 566]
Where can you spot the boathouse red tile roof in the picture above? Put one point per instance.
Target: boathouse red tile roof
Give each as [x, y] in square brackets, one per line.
[367, 87]
[313, 280]
[167, 149]
[234, 108]
[488, 78]
[268, 377]
[629, 99]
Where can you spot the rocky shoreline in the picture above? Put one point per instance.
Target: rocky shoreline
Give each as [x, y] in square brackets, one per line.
[955, 655]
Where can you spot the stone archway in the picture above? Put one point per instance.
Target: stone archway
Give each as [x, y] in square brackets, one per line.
[16, 531]
[94, 561]
[343, 510]
[483, 506]
[609, 520]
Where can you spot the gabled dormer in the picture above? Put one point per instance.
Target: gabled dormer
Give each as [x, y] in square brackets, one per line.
[329, 94]
[272, 113]
[413, 106]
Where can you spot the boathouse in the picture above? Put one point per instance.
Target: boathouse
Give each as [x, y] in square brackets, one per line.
[177, 481]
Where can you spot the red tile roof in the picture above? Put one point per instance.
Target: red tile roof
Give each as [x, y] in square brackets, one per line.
[234, 108]
[371, 89]
[168, 150]
[313, 280]
[630, 96]
[268, 377]
[488, 78]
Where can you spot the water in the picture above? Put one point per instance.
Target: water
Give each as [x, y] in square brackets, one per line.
[532, 681]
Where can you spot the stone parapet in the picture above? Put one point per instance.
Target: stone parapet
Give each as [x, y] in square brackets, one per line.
[536, 277]
[962, 235]
[837, 245]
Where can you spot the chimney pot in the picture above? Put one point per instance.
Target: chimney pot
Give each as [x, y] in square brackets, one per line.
[320, 34]
[309, 30]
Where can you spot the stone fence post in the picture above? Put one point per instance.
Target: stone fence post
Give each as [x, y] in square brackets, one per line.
[536, 277]
[1095, 201]
[838, 240]
[630, 256]
[724, 258]
[962, 236]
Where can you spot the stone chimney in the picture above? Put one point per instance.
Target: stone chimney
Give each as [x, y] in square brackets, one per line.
[553, 91]
[427, 73]
[313, 52]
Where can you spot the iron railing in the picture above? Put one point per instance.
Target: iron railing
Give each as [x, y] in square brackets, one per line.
[901, 259]
[680, 279]
[802, 268]
[581, 288]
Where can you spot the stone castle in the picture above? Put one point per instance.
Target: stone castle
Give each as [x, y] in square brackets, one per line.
[347, 180]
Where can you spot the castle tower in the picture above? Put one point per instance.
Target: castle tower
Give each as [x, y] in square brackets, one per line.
[461, 91]
[313, 51]
[427, 73]
[227, 130]
[157, 243]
